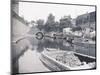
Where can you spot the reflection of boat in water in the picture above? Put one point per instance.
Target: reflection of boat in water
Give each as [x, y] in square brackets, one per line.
[59, 60]
[85, 44]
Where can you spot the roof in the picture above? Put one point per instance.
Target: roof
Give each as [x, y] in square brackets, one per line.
[86, 14]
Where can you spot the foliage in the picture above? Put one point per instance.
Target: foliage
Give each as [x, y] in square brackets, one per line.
[40, 24]
[50, 23]
[65, 22]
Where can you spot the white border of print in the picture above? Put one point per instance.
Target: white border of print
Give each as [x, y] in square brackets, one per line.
[5, 37]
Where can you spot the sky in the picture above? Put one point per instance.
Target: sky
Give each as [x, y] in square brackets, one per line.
[35, 11]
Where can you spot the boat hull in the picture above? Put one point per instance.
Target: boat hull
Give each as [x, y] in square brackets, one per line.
[55, 65]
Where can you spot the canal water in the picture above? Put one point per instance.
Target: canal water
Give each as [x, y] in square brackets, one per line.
[30, 62]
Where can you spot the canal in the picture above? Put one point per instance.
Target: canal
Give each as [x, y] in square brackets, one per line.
[29, 61]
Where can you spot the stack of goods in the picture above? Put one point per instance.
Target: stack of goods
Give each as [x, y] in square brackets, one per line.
[69, 59]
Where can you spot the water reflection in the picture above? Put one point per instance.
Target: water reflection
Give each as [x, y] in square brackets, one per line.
[61, 44]
[47, 42]
[32, 49]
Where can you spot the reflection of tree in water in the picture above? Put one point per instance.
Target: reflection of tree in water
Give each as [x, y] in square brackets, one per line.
[40, 46]
[51, 44]
[33, 43]
[63, 45]
[46, 43]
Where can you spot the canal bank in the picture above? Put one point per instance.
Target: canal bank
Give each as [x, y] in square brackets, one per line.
[30, 62]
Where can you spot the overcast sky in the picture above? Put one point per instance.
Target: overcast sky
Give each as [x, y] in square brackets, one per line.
[34, 11]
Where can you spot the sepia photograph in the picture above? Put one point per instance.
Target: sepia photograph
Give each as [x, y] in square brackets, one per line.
[52, 37]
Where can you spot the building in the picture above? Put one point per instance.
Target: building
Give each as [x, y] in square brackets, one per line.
[67, 31]
[19, 28]
[87, 20]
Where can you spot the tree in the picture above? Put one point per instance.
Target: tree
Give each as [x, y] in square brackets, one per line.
[40, 24]
[65, 22]
[32, 22]
[50, 20]
[57, 26]
[50, 23]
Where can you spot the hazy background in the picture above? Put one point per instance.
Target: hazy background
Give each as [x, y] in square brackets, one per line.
[34, 11]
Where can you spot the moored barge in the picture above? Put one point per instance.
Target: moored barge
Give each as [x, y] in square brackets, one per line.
[60, 60]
